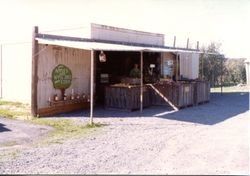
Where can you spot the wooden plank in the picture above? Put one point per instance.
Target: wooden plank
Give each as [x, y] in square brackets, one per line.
[201, 92]
[34, 78]
[163, 97]
[1, 70]
[126, 98]
[52, 110]
[76, 59]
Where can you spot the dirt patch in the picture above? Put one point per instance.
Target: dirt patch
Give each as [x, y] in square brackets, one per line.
[17, 132]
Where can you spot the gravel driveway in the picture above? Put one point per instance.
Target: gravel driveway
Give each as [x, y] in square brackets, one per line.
[207, 139]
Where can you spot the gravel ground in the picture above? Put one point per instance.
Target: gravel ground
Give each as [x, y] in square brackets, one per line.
[19, 132]
[208, 139]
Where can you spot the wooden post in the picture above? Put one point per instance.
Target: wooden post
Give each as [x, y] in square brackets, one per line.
[34, 78]
[141, 92]
[187, 42]
[202, 74]
[176, 68]
[91, 87]
[174, 41]
[1, 57]
[221, 85]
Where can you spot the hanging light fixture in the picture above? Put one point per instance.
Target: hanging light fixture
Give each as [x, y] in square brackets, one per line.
[102, 57]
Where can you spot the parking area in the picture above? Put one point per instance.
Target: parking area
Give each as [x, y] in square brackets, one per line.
[212, 138]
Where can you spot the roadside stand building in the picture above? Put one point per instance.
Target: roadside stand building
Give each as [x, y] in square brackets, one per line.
[114, 67]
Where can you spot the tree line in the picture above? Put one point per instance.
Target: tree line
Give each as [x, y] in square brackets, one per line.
[219, 70]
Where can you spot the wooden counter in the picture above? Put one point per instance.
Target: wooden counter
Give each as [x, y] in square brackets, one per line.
[126, 97]
[181, 94]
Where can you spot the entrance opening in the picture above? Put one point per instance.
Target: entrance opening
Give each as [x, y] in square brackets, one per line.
[118, 66]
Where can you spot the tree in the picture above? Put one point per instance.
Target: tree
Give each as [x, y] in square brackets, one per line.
[235, 71]
[212, 64]
[219, 70]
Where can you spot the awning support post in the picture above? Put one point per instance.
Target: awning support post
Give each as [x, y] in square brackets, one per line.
[34, 78]
[141, 92]
[91, 87]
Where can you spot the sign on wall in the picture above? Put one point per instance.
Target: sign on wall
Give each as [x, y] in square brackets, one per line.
[168, 67]
[61, 77]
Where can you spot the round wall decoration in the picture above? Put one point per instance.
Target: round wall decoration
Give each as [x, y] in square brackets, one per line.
[61, 77]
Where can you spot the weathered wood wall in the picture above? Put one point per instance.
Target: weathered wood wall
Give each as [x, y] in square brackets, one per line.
[180, 94]
[189, 65]
[202, 92]
[76, 59]
[126, 98]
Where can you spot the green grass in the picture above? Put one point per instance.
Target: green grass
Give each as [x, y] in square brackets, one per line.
[244, 88]
[11, 103]
[65, 128]
[62, 128]
[12, 114]
[14, 110]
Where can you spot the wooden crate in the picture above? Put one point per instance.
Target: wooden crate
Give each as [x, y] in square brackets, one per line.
[186, 94]
[126, 98]
[201, 92]
[178, 93]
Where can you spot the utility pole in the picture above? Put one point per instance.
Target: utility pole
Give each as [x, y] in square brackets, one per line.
[174, 41]
[187, 43]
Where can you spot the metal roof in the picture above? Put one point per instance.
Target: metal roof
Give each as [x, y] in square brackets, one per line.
[91, 44]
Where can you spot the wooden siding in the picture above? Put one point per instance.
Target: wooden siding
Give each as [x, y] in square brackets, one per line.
[180, 93]
[126, 98]
[189, 65]
[48, 111]
[202, 92]
[76, 59]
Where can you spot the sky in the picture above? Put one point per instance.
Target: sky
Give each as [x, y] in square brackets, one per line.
[222, 21]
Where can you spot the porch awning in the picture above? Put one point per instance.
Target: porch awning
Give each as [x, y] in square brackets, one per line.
[88, 44]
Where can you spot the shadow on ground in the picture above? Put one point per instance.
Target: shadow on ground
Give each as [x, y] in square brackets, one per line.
[220, 108]
[3, 129]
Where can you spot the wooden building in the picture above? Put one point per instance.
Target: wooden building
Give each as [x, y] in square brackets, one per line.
[70, 73]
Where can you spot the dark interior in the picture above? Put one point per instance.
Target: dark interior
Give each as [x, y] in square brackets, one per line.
[119, 65]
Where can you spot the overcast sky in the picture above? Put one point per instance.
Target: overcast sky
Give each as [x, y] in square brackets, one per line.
[221, 21]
